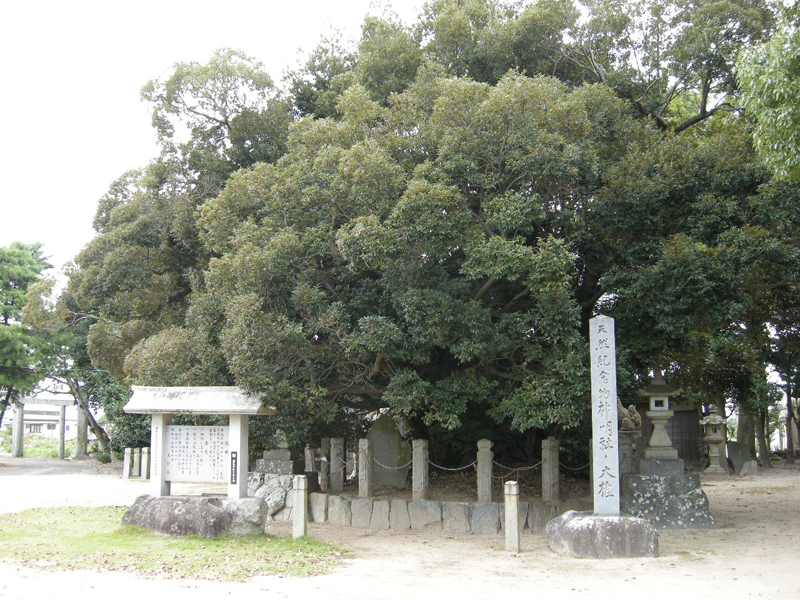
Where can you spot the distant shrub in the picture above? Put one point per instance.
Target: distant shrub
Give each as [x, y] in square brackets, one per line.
[103, 457]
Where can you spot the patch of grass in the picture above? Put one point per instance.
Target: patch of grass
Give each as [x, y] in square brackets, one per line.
[5, 439]
[93, 538]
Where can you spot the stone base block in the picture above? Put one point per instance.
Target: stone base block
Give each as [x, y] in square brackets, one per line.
[675, 502]
[280, 467]
[207, 517]
[584, 535]
[661, 466]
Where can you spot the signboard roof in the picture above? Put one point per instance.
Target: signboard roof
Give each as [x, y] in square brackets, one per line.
[222, 400]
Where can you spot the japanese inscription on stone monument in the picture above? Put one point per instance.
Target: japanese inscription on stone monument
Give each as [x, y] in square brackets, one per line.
[197, 454]
[604, 416]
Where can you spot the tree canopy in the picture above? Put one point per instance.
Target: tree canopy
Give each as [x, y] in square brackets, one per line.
[20, 267]
[770, 76]
[429, 222]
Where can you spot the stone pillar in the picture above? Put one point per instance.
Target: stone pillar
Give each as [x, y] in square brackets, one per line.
[81, 441]
[485, 458]
[337, 465]
[627, 451]
[325, 464]
[239, 458]
[300, 508]
[366, 485]
[419, 470]
[62, 425]
[158, 452]
[136, 470]
[127, 463]
[512, 516]
[145, 463]
[550, 470]
[18, 433]
[308, 456]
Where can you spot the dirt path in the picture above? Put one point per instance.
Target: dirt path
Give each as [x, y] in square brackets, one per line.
[753, 554]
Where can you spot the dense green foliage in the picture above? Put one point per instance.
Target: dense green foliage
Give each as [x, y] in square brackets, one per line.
[20, 267]
[770, 76]
[451, 204]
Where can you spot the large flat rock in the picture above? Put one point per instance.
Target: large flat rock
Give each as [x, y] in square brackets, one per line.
[584, 535]
[206, 517]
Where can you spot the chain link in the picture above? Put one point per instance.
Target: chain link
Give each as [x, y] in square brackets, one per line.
[518, 469]
[459, 469]
[377, 462]
[575, 468]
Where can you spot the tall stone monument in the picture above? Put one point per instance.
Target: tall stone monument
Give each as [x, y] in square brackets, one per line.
[603, 534]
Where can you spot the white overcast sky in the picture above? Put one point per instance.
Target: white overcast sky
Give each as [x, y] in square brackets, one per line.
[71, 74]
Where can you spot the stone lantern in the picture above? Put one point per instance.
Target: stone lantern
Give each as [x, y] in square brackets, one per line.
[660, 457]
[715, 435]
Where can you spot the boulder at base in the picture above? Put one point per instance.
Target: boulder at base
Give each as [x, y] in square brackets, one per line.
[206, 517]
[585, 535]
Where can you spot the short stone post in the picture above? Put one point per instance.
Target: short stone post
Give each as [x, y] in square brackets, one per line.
[325, 464]
[512, 516]
[300, 509]
[145, 463]
[366, 468]
[136, 469]
[18, 433]
[127, 463]
[337, 465]
[550, 470]
[419, 470]
[62, 426]
[485, 458]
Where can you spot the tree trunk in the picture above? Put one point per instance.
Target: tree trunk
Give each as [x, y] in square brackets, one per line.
[746, 433]
[99, 432]
[789, 427]
[5, 404]
[761, 434]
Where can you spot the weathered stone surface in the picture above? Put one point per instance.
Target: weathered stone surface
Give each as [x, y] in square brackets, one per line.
[361, 512]
[425, 514]
[380, 515]
[661, 466]
[738, 454]
[391, 450]
[455, 517]
[540, 514]
[485, 518]
[339, 511]
[254, 481]
[674, 502]
[279, 467]
[398, 514]
[584, 535]
[318, 507]
[207, 517]
[749, 467]
[247, 515]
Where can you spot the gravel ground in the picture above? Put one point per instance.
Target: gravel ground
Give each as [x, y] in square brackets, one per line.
[752, 554]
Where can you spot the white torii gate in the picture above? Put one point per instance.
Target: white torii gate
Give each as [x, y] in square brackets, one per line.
[18, 428]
